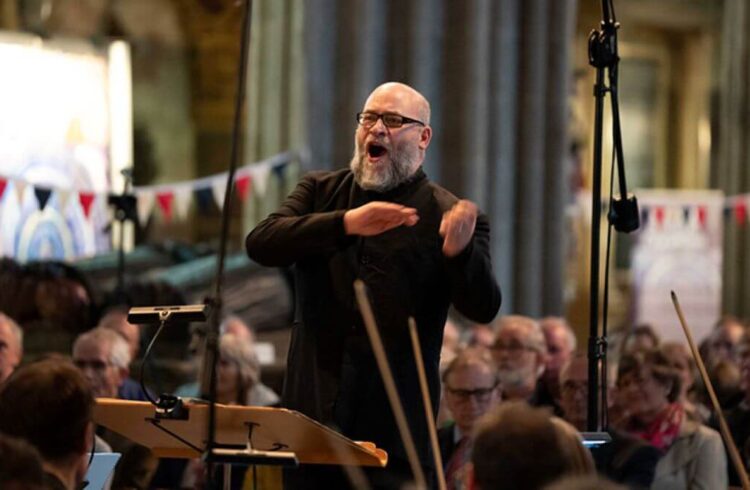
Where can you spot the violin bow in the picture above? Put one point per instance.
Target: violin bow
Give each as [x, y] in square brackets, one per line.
[390, 385]
[427, 402]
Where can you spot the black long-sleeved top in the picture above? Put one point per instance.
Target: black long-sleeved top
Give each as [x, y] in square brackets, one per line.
[331, 373]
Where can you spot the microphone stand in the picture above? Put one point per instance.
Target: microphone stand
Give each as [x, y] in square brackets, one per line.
[124, 205]
[211, 351]
[623, 213]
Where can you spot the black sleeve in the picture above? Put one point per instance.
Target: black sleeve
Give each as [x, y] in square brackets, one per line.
[295, 231]
[474, 290]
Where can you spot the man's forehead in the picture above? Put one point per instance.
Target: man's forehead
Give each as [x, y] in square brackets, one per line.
[474, 373]
[394, 98]
[91, 349]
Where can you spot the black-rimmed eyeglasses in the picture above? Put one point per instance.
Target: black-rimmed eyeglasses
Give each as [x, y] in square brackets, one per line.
[390, 120]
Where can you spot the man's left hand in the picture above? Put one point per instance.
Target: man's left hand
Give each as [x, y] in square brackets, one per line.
[457, 227]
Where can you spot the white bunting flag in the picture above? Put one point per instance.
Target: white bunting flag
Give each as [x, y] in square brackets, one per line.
[144, 205]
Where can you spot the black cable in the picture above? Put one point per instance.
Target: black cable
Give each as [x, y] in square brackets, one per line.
[605, 306]
[146, 357]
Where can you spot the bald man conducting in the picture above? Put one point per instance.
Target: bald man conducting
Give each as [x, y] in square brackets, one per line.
[416, 246]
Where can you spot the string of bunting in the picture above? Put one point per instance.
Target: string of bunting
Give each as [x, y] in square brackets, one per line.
[734, 209]
[173, 199]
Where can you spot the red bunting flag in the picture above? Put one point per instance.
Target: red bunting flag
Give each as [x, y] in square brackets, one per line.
[740, 212]
[702, 213]
[3, 184]
[165, 204]
[659, 214]
[86, 199]
[243, 187]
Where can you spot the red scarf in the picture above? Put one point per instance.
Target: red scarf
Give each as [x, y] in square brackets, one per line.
[664, 429]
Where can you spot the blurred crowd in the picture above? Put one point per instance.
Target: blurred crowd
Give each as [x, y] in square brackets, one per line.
[512, 414]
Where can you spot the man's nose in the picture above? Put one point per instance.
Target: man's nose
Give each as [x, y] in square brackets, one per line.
[379, 127]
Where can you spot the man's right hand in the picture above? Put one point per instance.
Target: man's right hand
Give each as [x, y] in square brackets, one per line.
[377, 217]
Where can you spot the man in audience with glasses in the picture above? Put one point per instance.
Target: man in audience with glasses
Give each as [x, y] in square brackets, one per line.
[471, 388]
[520, 353]
[417, 247]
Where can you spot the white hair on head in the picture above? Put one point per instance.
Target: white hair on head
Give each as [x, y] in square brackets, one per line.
[119, 350]
[14, 328]
[241, 353]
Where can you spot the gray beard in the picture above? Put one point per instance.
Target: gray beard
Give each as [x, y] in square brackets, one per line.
[396, 170]
[515, 378]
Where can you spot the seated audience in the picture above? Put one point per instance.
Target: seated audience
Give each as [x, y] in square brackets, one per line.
[589, 482]
[49, 404]
[480, 335]
[103, 357]
[625, 459]
[516, 446]
[471, 389]
[639, 338]
[738, 417]
[681, 359]
[520, 354]
[20, 465]
[11, 346]
[561, 343]
[116, 319]
[693, 455]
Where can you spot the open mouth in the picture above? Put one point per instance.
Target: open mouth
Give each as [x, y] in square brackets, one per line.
[375, 151]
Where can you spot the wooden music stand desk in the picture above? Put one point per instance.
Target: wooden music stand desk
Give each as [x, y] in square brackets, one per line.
[270, 430]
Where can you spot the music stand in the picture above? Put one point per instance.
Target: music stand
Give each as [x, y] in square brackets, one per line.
[271, 436]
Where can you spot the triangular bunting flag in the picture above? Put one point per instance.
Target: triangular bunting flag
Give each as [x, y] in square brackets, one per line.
[144, 206]
[644, 216]
[182, 200]
[164, 199]
[242, 184]
[685, 214]
[86, 199]
[3, 185]
[279, 169]
[20, 187]
[63, 196]
[740, 212]
[726, 211]
[702, 212]
[219, 188]
[42, 196]
[659, 215]
[204, 197]
[259, 175]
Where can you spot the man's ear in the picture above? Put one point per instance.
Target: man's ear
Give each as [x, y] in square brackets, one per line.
[425, 137]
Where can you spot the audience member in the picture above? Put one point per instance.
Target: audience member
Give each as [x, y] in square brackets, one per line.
[693, 454]
[471, 388]
[480, 335]
[625, 459]
[20, 465]
[103, 357]
[234, 325]
[49, 404]
[682, 360]
[561, 343]
[520, 354]
[11, 346]
[639, 338]
[738, 417]
[517, 446]
[588, 482]
[116, 319]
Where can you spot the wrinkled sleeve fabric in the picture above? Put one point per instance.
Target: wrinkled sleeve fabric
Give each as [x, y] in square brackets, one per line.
[296, 230]
[474, 290]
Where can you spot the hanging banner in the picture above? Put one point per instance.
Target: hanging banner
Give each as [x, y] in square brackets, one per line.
[672, 253]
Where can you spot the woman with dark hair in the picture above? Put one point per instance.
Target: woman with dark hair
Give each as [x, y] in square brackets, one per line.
[693, 454]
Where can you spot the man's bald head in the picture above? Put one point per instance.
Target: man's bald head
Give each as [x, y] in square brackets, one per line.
[408, 97]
